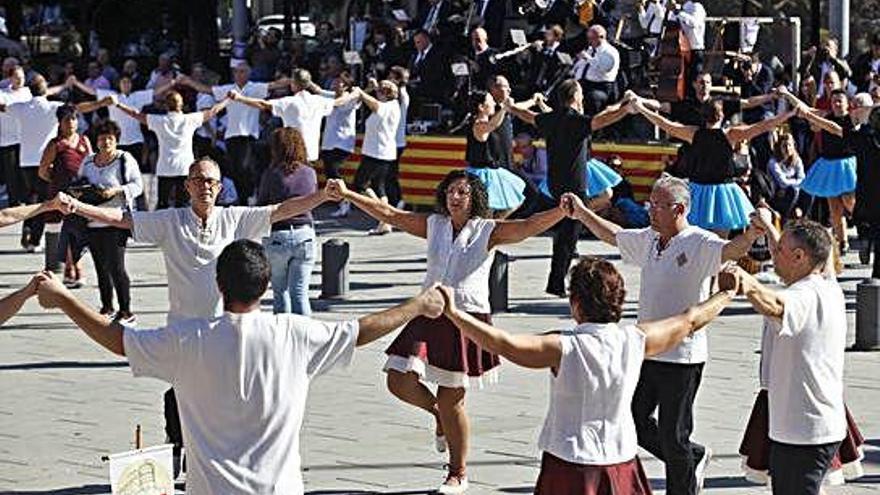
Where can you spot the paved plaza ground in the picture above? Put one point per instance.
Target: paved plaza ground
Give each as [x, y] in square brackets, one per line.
[66, 402]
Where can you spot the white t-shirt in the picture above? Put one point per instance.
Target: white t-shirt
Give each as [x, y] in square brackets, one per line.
[131, 128]
[174, 131]
[589, 420]
[243, 120]
[462, 262]
[10, 130]
[676, 279]
[205, 101]
[241, 382]
[340, 129]
[380, 132]
[304, 111]
[693, 22]
[38, 126]
[805, 367]
[122, 171]
[191, 251]
[403, 98]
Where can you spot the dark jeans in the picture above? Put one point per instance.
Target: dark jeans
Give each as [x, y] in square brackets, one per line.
[393, 187]
[35, 190]
[107, 246]
[373, 173]
[172, 421]
[332, 160]
[799, 469]
[785, 200]
[240, 151]
[670, 388]
[11, 173]
[564, 245]
[172, 193]
[598, 95]
[870, 234]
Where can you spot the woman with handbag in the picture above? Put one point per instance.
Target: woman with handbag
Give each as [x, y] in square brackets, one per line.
[115, 178]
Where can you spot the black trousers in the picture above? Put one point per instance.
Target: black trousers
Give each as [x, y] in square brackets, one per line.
[11, 173]
[564, 245]
[333, 160]
[670, 388]
[173, 430]
[35, 190]
[598, 95]
[373, 172]
[240, 154]
[107, 246]
[393, 189]
[172, 193]
[799, 469]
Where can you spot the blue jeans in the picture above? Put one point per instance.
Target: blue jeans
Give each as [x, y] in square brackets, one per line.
[291, 256]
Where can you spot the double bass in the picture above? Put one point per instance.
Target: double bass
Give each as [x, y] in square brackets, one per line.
[673, 57]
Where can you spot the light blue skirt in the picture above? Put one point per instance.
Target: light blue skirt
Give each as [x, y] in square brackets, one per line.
[831, 177]
[600, 178]
[505, 188]
[719, 206]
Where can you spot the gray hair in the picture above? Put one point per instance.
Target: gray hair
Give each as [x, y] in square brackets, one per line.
[813, 238]
[205, 159]
[302, 77]
[862, 100]
[676, 188]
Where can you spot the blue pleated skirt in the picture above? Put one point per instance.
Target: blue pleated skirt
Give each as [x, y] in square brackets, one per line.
[719, 206]
[600, 178]
[505, 188]
[831, 177]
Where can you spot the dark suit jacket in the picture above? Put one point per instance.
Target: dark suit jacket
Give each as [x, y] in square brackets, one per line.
[493, 22]
[431, 78]
[442, 25]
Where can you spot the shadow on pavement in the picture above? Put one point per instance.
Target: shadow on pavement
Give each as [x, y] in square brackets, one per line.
[56, 365]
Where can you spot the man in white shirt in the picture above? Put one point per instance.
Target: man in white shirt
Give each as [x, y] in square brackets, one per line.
[599, 76]
[242, 377]
[243, 124]
[191, 239]
[805, 357]
[303, 111]
[10, 135]
[651, 16]
[692, 16]
[174, 131]
[677, 263]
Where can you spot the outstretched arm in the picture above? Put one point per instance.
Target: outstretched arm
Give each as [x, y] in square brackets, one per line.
[111, 216]
[214, 110]
[91, 106]
[15, 214]
[603, 229]
[196, 85]
[297, 205]
[674, 129]
[740, 133]
[531, 351]
[513, 231]
[407, 221]
[376, 325]
[665, 334]
[765, 301]
[133, 113]
[11, 304]
[99, 328]
[819, 121]
[610, 115]
[257, 103]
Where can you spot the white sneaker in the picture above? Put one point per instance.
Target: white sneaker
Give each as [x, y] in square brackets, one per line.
[700, 470]
[453, 485]
[440, 443]
[342, 211]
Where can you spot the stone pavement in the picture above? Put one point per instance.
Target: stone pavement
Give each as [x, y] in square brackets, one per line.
[66, 402]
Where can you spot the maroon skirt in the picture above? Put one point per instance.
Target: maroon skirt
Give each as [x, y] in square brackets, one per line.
[560, 477]
[755, 446]
[438, 352]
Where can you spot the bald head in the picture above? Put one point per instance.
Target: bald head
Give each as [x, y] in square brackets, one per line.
[596, 35]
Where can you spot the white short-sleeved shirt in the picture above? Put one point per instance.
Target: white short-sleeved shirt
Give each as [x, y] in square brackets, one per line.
[304, 111]
[131, 128]
[241, 382]
[403, 97]
[10, 129]
[340, 129]
[205, 101]
[805, 368]
[676, 279]
[191, 251]
[243, 120]
[38, 126]
[462, 262]
[380, 133]
[589, 420]
[174, 131]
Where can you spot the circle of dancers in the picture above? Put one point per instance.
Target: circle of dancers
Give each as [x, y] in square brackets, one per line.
[614, 386]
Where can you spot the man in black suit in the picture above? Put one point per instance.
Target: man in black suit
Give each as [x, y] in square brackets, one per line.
[558, 12]
[429, 71]
[490, 15]
[547, 63]
[434, 18]
[483, 64]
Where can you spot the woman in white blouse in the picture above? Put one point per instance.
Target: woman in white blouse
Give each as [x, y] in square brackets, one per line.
[589, 440]
[461, 247]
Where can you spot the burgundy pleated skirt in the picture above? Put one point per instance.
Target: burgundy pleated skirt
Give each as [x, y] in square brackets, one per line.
[755, 446]
[439, 353]
[560, 477]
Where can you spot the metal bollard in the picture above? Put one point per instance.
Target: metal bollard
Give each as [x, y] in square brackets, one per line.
[868, 315]
[334, 269]
[53, 257]
[498, 282]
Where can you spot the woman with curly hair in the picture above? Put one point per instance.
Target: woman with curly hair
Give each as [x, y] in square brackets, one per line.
[589, 439]
[291, 244]
[462, 238]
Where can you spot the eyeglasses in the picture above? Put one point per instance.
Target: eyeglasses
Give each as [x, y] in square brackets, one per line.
[660, 206]
[204, 181]
[460, 191]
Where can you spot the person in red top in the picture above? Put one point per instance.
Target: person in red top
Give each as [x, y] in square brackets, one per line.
[59, 167]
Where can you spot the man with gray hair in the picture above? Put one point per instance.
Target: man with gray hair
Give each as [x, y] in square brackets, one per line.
[303, 111]
[677, 262]
[802, 356]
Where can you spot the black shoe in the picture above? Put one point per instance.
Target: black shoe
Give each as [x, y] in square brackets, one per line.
[556, 292]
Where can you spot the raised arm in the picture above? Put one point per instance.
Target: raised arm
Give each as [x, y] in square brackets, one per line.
[115, 217]
[376, 325]
[297, 205]
[133, 113]
[610, 115]
[603, 229]
[531, 351]
[740, 245]
[757, 100]
[662, 335]
[15, 214]
[741, 133]
[11, 304]
[765, 301]
[280, 84]
[258, 103]
[368, 99]
[513, 231]
[345, 99]
[674, 129]
[72, 81]
[215, 109]
[99, 328]
[821, 122]
[407, 221]
[91, 106]
[192, 83]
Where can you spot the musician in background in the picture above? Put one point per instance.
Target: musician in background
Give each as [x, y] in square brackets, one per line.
[651, 14]
[692, 17]
[552, 13]
[491, 15]
[434, 18]
[817, 62]
[429, 71]
[596, 70]
[546, 64]
[483, 64]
